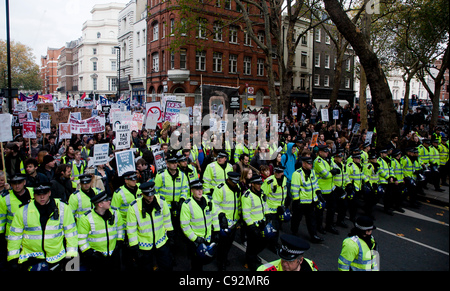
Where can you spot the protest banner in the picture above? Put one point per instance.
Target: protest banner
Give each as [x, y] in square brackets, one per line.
[101, 154]
[153, 115]
[125, 162]
[123, 136]
[64, 131]
[95, 124]
[29, 129]
[160, 162]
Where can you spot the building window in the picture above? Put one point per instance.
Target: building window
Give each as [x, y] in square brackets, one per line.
[113, 65]
[94, 51]
[327, 61]
[99, 35]
[172, 60]
[183, 58]
[347, 83]
[94, 66]
[317, 60]
[201, 28]
[155, 62]
[327, 39]
[200, 60]
[138, 38]
[316, 80]
[303, 59]
[317, 35]
[326, 81]
[247, 39]
[155, 31]
[143, 67]
[233, 34]
[113, 50]
[112, 84]
[261, 36]
[260, 67]
[304, 40]
[247, 65]
[138, 67]
[347, 65]
[217, 26]
[217, 62]
[227, 4]
[217, 3]
[172, 26]
[94, 84]
[232, 64]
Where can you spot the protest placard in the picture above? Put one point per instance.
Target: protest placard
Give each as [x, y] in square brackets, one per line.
[172, 111]
[125, 162]
[314, 138]
[101, 154]
[5, 130]
[44, 125]
[64, 131]
[324, 114]
[123, 136]
[335, 114]
[160, 162]
[29, 129]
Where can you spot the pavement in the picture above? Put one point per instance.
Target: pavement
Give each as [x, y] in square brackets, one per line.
[436, 197]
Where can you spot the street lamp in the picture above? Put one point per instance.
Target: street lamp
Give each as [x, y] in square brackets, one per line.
[118, 80]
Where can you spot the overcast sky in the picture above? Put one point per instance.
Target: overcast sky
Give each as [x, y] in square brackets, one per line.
[46, 23]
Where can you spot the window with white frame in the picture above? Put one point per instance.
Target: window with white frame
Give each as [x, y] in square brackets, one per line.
[201, 28]
[326, 81]
[347, 83]
[233, 34]
[94, 84]
[247, 39]
[316, 80]
[172, 60]
[227, 4]
[217, 62]
[247, 65]
[232, 64]
[260, 67]
[155, 62]
[155, 31]
[260, 36]
[327, 39]
[200, 60]
[347, 65]
[183, 58]
[138, 38]
[327, 61]
[172, 26]
[317, 60]
[112, 81]
[317, 35]
[217, 27]
[113, 65]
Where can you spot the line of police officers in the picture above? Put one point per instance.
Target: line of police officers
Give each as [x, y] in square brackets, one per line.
[140, 225]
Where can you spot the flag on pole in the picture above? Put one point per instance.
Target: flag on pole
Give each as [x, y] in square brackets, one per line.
[83, 96]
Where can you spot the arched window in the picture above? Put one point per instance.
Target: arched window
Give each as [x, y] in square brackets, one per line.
[99, 35]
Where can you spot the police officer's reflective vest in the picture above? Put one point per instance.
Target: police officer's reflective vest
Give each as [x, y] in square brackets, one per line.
[197, 222]
[304, 188]
[340, 180]
[434, 155]
[98, 234]
[228, 202]
[122, 199]
[325, 178]
[356, 255]
[397, 169]
[254, 207]
[80, 202]
[356, 175]
[214, 175]
[424, 154]
[171, 189]
[28, 240]
[146, 230]
[276, 266]
[385, 171]
[276, 194]
[370, 173]
[9, 204]
[443, 154]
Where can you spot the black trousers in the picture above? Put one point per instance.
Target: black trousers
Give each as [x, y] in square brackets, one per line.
[353, 205]
[163, 257]
[255, 244]
[307, 210]
[224, 245]
[331, 205]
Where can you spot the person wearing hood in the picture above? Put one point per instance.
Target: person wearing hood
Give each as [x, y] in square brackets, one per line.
[288, 161]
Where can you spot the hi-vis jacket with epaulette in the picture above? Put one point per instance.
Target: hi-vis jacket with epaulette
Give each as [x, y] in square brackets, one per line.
[197, 222]
[324, 177]
[304, 188]
[122, 199]
[214, 175]
[172, 189]
[397, 169]
[370, 173]
[410, 167]
[99, 234]
[80, 203]
[27, 239]
[228, 202]
[384, 171]
[356, 175]
[9, 203]
[146, 230]
[340, 180]
[356, 255]
[424, 154]
[254, 207]
[276, 194]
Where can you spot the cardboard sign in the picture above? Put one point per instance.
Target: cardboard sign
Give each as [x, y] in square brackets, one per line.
[172, 112]
[125, 162]
[324, 113]
[123, 136]
[335, 114]
[5, 130]
[314, 138]
[101, 154]
[29, 129]
[91, 125]
[65, 131]
[160, 162]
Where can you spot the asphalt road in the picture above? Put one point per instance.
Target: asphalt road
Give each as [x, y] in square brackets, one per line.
[417, 240]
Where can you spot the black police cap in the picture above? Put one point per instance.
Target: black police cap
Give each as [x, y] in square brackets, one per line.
[292, 247]
[148, 188]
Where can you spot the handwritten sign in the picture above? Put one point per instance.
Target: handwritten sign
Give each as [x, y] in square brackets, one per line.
[29, 129]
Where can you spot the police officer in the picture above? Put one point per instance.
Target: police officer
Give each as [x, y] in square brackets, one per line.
[357, 178]
[80, 200]
[385, 180]
[443, 160]
[325, 173]
[291, 256]
[359, 249]
[434, 165]
[189, 170]
[275, 187]
[216, 172]
[43, 233]
[100, 235]
[411, 170]
[148, 228]
[199, 222]
[125, 194]
[370, 170]
[227, 199]
[340, 181]
[399, 185]
[304, 190]
[254, 210]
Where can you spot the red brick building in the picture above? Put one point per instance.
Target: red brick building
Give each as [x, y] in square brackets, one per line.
[49, 70]
[445, 89]
[209, 47]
